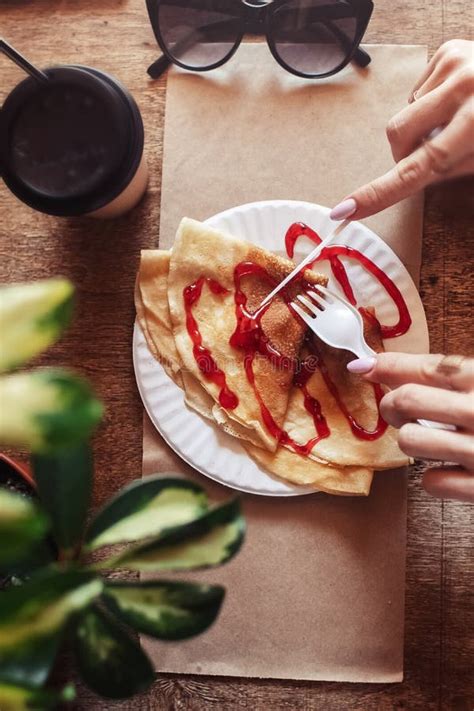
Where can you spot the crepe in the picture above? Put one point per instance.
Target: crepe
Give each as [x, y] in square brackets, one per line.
[202, 252]
[340, 481]
[340, 463]
[343, 447]
[153, 314]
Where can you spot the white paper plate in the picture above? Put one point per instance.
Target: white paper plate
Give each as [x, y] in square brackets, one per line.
[197, 440]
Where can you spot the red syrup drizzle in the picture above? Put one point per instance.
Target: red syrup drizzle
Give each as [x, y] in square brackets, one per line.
[332, 254]
[250, 337]
[356, 428]
[312, 405]
[206, 363]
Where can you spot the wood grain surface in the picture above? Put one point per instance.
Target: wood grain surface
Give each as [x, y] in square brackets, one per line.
[102, 258]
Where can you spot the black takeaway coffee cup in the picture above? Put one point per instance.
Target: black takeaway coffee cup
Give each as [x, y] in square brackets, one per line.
[72, 144]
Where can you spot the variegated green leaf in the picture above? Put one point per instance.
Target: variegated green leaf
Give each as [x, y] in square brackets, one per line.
[64, 478]
[22, 526]
[207, 541]
[110, 661]
[24, 698]
[30, 662]
[39, 556]
[46, 409]
[32, 617]
[165, 609]
[32, 317]
[146, 508]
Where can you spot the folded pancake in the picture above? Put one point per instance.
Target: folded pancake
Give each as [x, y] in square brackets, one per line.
[340, 481]
[244, 382]
[153, 313]
[351, 432]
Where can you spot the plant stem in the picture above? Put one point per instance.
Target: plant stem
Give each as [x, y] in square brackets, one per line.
[66, 555]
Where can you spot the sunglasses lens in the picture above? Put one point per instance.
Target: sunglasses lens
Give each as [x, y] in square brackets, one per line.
[199, 33]
[314, 37]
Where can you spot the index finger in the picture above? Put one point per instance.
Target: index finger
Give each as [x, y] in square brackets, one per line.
[394, 369]
[410, 175]
[438, 157]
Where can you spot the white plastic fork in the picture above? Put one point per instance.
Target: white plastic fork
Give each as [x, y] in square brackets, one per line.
[340, 325]
[334, 321]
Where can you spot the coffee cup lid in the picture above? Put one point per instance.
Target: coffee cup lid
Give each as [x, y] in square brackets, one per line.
[67, 146]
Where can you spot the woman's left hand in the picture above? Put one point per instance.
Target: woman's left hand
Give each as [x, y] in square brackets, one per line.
[431, 387]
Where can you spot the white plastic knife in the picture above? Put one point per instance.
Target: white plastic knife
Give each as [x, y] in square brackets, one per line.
[307, 260]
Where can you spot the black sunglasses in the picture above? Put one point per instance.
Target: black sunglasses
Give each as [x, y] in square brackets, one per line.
[309, 38]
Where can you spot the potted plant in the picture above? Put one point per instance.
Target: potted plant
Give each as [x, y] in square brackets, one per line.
[154, 525]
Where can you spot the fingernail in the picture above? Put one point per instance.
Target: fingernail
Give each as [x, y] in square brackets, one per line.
[361, 365]
[344, 209]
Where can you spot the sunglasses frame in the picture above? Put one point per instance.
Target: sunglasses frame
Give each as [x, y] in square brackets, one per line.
[257, 18]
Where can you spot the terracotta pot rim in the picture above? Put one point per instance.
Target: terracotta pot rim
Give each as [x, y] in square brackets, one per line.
[21, 468]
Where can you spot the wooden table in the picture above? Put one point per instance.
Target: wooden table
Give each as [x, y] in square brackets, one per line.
[102, 258]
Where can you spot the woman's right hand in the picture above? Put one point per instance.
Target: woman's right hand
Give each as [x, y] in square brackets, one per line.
[432, 139]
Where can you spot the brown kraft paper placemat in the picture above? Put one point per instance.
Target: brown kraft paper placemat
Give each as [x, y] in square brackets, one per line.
[317, 591]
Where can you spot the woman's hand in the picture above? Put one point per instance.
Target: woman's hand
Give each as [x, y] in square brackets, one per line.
[432, 387]
[432, 139]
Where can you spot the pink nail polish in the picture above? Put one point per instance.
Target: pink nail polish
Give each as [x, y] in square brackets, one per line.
[344, 209]
[361, 365]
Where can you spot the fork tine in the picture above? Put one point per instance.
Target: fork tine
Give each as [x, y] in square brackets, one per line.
[309, 304]
[337, 297]
[318, 298]
[327, 294]
[302, 314]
